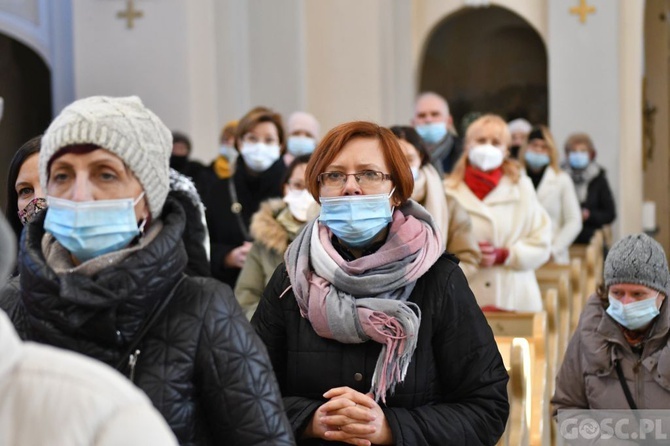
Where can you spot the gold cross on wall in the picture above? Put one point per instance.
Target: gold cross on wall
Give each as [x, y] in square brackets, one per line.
[130, 14]
[583, 10]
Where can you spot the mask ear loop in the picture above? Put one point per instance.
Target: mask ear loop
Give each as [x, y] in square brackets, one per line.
[140, 228]
[143, 222]
[391, 195]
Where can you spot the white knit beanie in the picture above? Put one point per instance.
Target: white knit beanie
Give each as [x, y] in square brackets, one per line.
[123, 126]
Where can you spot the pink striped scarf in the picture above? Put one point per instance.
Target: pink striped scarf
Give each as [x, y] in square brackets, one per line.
[353, 302]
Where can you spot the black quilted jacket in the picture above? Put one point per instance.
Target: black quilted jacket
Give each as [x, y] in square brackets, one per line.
[201, 364]
[455, 391]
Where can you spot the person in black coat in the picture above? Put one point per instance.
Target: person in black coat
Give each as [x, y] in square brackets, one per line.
[373, 332]
[102, 274]
[593, 190]
[231, 202]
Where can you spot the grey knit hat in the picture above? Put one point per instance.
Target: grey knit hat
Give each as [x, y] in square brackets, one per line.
[638, 259]
[125, 127]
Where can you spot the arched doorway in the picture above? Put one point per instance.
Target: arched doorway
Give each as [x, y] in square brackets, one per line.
[487, 60]
[25, 86]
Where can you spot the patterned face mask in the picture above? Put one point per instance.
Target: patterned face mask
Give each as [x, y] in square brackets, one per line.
[32, 208]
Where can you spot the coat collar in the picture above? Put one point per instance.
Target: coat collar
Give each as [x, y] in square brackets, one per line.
[107, 308]
[599, 328]
[506, 191]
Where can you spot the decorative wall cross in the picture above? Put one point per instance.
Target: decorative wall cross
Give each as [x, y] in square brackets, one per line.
[130, 14]
[583, 10]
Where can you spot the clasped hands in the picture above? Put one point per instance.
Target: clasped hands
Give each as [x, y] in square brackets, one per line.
[350, 417]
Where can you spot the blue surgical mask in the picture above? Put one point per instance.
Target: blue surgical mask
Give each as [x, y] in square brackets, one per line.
[259, 156]
[634, 315]
[300, 145]
[229, 152]
[536, 160]
[356, 219]
[432, 133]
[579, 160]
[415, 172]
[89, 229]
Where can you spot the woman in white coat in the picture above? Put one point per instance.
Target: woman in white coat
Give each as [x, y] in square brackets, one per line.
[512, 228]
[555, 191]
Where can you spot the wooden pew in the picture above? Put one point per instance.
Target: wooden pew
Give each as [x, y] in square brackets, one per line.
[518, 363]
[550, 298]
[533, 328]
[558, 278]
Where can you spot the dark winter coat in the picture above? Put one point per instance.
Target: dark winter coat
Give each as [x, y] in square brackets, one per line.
[601, 207]
[455, 391]
[225, 232]
[201, 364]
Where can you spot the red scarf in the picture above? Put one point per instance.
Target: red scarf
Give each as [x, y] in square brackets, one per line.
[482, 183]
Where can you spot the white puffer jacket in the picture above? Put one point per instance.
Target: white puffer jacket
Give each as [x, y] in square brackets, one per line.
[55, 397]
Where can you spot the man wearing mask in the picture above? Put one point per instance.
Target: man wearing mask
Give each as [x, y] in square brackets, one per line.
[432, 122]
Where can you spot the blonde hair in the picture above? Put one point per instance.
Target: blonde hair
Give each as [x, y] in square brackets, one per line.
[510, 167]
[553, 151]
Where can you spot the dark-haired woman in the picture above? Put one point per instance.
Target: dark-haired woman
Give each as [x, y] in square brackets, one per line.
[231, 202]
[365, 322]
[24, 193]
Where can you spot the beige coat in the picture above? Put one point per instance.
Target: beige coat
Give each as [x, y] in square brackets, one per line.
[556, 193]
[271, 239]
[511, 217]
[587, 378]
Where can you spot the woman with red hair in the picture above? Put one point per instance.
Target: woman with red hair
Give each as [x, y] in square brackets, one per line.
[372, 330]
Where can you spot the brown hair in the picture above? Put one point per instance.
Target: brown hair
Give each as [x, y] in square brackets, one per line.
[331, 145]
[254, 117]
[510, 167]
[580, 138]
[553, 151]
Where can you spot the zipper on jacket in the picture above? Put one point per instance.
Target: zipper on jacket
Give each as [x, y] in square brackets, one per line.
[132, 361]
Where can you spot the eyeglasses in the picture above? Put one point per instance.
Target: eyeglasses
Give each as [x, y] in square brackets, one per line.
[366, 178]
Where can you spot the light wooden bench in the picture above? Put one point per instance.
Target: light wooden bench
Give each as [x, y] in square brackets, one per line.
[533, 328]
[518, 363]
[565, 279]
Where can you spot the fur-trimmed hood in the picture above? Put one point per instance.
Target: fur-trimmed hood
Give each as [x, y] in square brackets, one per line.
[265, 228]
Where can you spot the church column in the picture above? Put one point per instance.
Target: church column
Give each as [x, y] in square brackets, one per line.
[631, 47]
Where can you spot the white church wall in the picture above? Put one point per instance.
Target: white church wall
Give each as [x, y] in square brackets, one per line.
[344, 60]
[594, 82]
[261, 56]
[166, 59]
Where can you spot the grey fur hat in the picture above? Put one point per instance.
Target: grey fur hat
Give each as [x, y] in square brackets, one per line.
[638, 259]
